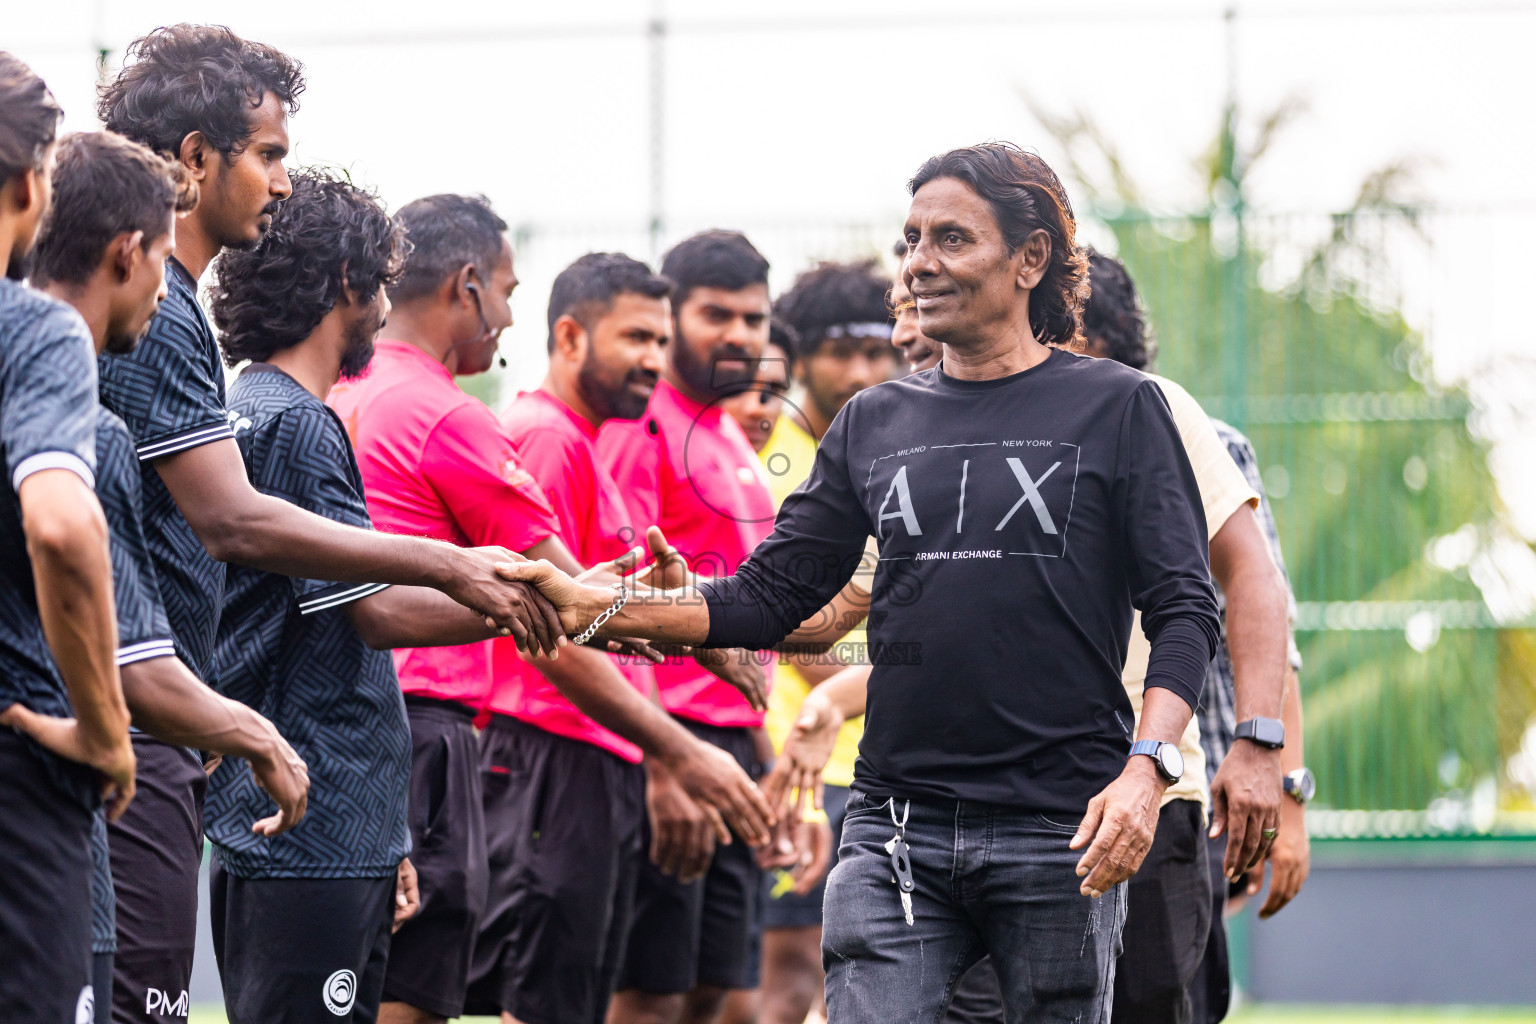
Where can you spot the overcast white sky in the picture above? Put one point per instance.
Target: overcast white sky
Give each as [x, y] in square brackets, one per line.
[797, 118]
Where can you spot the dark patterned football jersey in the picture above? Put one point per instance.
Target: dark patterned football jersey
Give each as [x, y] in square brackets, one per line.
[142, 630]
[47, 421]
[170, 393]
[287, 649]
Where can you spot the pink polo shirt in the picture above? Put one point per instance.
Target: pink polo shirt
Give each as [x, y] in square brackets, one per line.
[689, 469]
[436, 464]
[559, 448]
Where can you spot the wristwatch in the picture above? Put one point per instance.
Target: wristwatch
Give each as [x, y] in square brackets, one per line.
[1300, 785]
[1167, 756]
[1266, 732]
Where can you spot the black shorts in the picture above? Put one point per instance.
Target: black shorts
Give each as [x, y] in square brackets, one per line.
[563, 820]
[1167, 920]
[157, 851]
[45, 892]
[782, 907]
[429, 957]
[702, 933]
[300, 950]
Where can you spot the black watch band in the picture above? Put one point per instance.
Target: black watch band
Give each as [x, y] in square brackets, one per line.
[1266, 732]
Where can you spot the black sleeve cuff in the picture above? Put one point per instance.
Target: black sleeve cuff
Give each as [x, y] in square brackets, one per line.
[739, 613]
[1180, 654]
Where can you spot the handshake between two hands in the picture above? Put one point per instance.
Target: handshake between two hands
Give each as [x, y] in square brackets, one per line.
[546, 607]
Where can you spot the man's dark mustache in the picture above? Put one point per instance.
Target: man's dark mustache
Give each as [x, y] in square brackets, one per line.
[638, 376]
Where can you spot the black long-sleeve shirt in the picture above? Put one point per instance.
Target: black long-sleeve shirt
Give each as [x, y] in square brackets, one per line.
[1019, 521]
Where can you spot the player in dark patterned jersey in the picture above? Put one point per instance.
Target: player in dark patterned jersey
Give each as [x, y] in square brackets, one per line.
[103, 252]
[305, 306]
[56, 628]
[229, 132]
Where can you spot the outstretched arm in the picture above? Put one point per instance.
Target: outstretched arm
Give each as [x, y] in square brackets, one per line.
[237, 523]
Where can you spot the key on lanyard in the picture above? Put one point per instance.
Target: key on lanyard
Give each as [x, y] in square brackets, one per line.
[901, 859]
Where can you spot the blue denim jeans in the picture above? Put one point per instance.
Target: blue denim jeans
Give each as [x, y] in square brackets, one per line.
[990, 880]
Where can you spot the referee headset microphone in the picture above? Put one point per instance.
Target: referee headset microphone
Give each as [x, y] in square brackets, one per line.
[485, 326]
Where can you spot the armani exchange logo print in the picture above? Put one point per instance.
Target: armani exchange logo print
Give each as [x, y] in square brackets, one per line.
[983, 500]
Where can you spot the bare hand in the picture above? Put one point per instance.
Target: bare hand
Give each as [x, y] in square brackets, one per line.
[740, 669]
[407, 895]
[285, 778]
[1290, 861]
[517, 610]
[712, 777]
[807, 749]
[1121, 822]
[1245, 800]
[576, 603]
[819, 836]
[683, 833]
[670, 569]
[64, 737]
[629, 647]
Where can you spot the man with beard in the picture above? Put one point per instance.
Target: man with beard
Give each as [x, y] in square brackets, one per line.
[57, 636]
[304, 307]
[687, 467]
[565, 797]
[230, 135]
[757, 409]
[435, 462]
[104, 251]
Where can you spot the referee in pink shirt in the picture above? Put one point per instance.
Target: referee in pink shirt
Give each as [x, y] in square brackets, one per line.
[687, 467]
[436, 463]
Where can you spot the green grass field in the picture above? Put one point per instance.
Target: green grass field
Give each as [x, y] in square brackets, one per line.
[1271, 1014]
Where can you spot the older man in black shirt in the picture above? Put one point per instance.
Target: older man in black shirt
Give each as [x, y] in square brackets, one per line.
[1024, 500]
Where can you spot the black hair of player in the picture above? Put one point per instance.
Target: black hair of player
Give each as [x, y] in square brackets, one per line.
[181, 79]
[446, 232]
[1113, 313]
[586, 289]
[713, 259]
[327, 234]
[787, 338]
[1025, 196]
[29, 118]
[831, 294]
[104, 186]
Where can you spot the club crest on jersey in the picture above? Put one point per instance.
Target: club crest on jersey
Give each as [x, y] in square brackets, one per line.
[514, 474]
[340, 992]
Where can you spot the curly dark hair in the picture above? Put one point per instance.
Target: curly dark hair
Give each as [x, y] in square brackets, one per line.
[830, 294]
[327, 234]
[29, 118]
[103, 186]
[182, 79]
[1113, 313]
[1025, 196]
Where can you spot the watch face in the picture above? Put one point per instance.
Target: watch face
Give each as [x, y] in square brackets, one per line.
[1172, 760]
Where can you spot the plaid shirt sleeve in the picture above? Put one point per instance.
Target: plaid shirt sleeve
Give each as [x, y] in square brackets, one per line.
[1218, 711]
